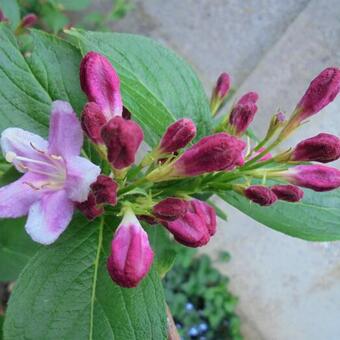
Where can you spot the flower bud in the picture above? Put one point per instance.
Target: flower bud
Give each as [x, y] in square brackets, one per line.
[276, 122]
[196, 226]
[29, 20]
[89, 208]
[177, 136]
[2, 16]
[131, 254]
[220, 151]
[220, 92]
[92, 121]
[289, 193]
[243, 113]
[105, 190]
[322, 148]
[321, 91]
[315, 177]
[170, 209]
[122, 139]
[260, 194]
[100, 82]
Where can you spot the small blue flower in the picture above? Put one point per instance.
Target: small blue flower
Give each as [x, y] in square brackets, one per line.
[189, 306]
[203, 327]
[193, 331]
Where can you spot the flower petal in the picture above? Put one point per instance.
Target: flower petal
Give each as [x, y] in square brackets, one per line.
[81, 173]
[22, 143]
[66, 136]
[49, 217]
[16, 198]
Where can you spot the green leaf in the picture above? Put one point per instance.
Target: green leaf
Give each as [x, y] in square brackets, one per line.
[66, 293]
[163, 248]
[29, 86]
[16, 248]
[158, 87]
[315, 218]
[11, 10]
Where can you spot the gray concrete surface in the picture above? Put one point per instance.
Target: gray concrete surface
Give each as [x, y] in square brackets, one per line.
[289, 289]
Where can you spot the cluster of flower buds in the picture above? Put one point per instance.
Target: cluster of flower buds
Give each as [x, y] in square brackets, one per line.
[192, 222]
[102, 118]
[103, 191]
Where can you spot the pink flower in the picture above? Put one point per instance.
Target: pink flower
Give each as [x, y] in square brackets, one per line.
[243, 113]
[315, 177]
[170, 209]
[321, 91]
[322, 148]
[100, 82]
[177, 136]
[2, 16]
[122, 138]
[195, 228]
[54, 175]
[220, 151]
[131, 255]
[260, 194]
[105, 190]
[289, 193]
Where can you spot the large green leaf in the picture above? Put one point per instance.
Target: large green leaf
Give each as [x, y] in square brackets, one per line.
[315, 218]
[28, 86]
[16, 248]
[66, 293]
[157, 86]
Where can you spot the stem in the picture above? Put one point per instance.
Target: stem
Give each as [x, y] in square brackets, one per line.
[132, 186]
[172, 330]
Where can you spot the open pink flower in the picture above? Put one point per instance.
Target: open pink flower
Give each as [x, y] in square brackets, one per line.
[54, 175]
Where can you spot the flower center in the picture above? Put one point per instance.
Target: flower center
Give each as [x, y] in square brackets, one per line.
[51, 168]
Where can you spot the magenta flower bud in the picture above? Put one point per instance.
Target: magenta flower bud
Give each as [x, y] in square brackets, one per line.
[207, 214]
[105, 190]
[177, 136]
[243, 113]
[260, 194]
[92, 121]
[222, 86]
[90, 208]
[322, 148]
[196, 226]
[220, 92]
[131, 254]
[315, 177]
[220, 151]
[29, 20]
[100, 82]
[289, 193]
[170, 209]
[2, 16]
[122, 138]
[248, 98]
[321, 91]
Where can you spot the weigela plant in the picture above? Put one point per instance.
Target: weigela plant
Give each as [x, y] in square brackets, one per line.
[162, 189]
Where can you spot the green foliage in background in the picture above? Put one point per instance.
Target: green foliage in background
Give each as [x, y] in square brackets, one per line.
[199, 298]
